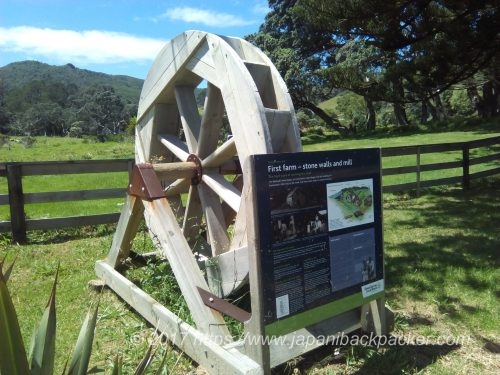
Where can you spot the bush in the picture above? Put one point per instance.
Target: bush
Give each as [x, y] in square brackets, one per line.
[40, 360]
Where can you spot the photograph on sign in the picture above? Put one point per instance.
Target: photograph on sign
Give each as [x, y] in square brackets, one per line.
[350, 203]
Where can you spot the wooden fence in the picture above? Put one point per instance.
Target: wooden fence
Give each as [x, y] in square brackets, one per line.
[16, 199]
[489, 163]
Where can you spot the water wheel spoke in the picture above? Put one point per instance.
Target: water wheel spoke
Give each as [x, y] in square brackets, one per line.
[191, 225]
[214, 218]
[224, 189]
[223, 153]
[190, 118]
[211, 121]
[175, 146]
[177, 187]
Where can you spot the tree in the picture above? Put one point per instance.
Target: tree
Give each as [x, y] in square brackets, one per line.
[101, 110]
[285, 42]
[422, 47]
[4, 115]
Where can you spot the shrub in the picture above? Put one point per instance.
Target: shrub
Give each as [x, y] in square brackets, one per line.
[40, 359]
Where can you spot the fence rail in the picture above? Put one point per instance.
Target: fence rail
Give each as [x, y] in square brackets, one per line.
[16, 199]
[465, 162]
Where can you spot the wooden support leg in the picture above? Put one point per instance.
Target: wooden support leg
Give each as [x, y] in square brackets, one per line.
[126, 230]
[373, 317]
[168, 237]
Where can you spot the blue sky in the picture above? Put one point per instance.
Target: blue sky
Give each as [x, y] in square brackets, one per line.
[114, 36]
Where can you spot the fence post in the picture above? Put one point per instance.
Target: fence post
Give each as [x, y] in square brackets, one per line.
[418, 171]
[16, 202]
[465, 166]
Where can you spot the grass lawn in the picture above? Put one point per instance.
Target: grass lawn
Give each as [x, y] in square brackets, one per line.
[442, 271]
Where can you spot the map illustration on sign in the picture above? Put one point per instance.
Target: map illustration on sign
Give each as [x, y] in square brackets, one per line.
[350, 203]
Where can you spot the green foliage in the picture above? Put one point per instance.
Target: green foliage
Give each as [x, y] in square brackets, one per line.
[40, 99]
[460, 103]
[13, 358]
[351, 110]
[40, 360]
[132, 123]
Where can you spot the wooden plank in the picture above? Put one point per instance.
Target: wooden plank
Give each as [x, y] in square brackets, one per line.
[74, 167]
[193, 217]
[254, 329]
[253, 55]
[126, 230]
[261, 74]
[224, 189]
[190, 118]
[486, 173]
[168, 68]
[239, 239]
[214, 218]
[170, 240]
[71, 221]
[211, 122]
[74, 195]
[278, 122]
[174, 145]
[284, 102]
[228, 272]
[243, 105]
[223, 153]
[399, 170]
[16, 201]
[4, 199]
[180, 186]
[484, 159]
[441, 147]
[484, 142]
[287, 347]
[439, 166]
[202, 64]
[197, 345]
[399, 151]
[162, 118]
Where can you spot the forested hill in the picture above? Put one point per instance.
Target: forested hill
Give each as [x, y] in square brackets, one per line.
[37, 98]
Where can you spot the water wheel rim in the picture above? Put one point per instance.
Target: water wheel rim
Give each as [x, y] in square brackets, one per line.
[169, 125]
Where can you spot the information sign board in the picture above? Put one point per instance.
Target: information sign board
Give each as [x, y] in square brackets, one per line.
[319, 234]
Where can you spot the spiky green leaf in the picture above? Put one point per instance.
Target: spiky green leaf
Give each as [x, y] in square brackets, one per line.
[145, 362]
[162, 364]
[8, 271]
[43, 350]
[117, 365]
[13, 359]
[81, 354]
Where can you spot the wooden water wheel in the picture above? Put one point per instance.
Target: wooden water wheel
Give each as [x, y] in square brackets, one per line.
[247, 110]
[195, 189]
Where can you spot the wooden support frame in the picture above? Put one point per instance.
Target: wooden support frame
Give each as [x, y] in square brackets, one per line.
[244, 86]
[209, 343]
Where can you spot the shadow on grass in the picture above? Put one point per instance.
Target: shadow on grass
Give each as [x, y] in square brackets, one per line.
[403, 358]
[47, 237]
[452, 255]
[364, 359]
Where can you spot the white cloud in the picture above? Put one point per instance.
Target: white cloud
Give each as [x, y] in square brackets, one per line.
[205, 17]
[86, 47]
[261, 9]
